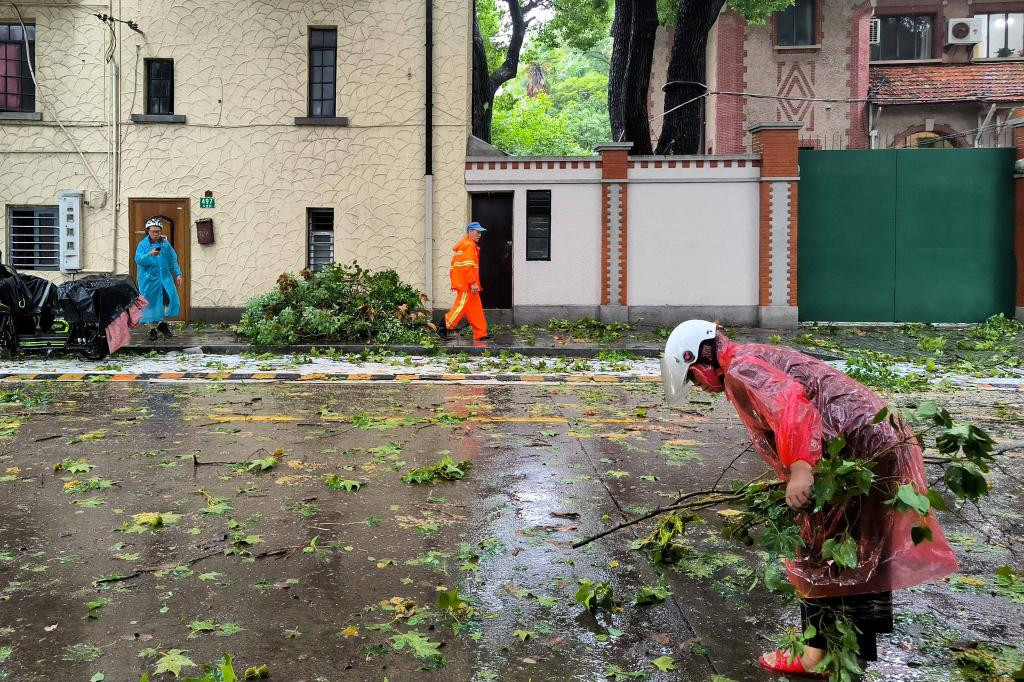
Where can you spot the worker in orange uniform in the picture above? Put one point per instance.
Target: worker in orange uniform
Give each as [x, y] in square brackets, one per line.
[465, 278]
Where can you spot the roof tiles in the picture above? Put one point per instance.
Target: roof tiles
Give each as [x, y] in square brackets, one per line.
[922, 84]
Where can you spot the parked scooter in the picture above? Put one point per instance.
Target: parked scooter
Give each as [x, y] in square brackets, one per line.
[36, 315]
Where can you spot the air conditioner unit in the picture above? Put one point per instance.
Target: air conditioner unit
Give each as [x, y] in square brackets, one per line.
[69, 223]
[875, 32]
[968, 31]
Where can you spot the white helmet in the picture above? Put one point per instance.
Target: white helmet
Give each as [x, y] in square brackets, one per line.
[681, 351]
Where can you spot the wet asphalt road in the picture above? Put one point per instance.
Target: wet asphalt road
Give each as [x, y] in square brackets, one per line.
[321, 584]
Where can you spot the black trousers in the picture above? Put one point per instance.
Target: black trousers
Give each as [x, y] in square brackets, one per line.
[871, 613]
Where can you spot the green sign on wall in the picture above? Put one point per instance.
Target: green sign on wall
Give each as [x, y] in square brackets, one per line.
[206, 202]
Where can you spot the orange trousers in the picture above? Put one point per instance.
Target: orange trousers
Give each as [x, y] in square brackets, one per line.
[467, 304]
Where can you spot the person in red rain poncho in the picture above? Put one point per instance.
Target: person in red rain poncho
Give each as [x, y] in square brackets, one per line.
[791, 404]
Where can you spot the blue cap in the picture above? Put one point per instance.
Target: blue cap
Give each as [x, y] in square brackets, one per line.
[475, 226]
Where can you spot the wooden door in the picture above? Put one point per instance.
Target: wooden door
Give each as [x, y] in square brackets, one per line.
[177, 231]
[493, 210]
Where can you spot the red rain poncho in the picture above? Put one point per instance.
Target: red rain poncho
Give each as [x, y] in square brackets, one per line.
[791, 404]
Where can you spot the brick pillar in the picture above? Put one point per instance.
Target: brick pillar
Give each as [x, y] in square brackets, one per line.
[1018, 231]
[777, 143]
[614, 187]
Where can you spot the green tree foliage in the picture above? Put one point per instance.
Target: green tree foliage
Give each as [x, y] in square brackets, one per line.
[577, 24]
[338, 303]
[489, 18]
[570, 118]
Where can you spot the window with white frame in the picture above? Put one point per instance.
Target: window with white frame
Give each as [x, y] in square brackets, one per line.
[1003, 36]
[33, 241]
[319, 238]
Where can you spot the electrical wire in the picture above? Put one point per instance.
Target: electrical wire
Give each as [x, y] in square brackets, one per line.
[42, 101]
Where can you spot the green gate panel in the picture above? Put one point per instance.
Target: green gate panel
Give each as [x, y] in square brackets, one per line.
[846, 236]
[954, 234]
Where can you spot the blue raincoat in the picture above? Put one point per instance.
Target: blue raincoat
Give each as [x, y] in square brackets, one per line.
[156, 280]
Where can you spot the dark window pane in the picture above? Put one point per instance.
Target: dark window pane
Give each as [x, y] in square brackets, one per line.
[17, 91]
[538, 225]
[795, 24]
[904, 37]
[160, 86]
[319, 238]
[321, 72]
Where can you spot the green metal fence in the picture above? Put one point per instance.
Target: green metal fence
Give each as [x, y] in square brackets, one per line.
[909, 235]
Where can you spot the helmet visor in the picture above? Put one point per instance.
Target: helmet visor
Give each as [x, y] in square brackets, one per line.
[674, 380]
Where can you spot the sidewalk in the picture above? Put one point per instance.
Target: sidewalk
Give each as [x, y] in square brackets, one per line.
[644, 343]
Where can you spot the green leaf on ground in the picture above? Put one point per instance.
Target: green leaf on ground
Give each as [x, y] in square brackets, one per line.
[614, 672]
[418, 645]
[664, 663]
[335, 482]
[653, 594]
[447, 470]
[81, 653]
[74, 466]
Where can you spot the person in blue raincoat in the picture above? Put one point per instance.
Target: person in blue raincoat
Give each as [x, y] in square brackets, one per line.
[159, 276]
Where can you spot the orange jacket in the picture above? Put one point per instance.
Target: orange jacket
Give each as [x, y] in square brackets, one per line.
[465, 265]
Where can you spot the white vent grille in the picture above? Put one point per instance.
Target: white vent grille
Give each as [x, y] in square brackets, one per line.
[875, 32]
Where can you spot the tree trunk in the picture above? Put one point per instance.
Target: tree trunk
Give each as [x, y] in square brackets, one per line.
[637, 80]
[617, 69]
[485, 85]
[682, 128]
[482, 102]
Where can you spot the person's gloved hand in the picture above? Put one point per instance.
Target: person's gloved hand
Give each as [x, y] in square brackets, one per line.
[799, 490]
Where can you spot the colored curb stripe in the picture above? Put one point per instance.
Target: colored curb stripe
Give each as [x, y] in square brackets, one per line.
[362, 377]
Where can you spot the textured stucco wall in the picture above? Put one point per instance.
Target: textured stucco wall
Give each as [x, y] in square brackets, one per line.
[241, 79]
[694, 241]
[37, 159]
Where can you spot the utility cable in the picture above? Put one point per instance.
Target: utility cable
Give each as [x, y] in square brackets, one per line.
[42, 101]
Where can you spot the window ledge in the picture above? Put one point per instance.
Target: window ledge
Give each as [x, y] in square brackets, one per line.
[996, 60]
[904, 62]
[158, 118]
[321, 120]
[21, 116]
[797, 48]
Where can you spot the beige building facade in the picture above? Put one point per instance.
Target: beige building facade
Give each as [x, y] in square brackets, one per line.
[222, 110]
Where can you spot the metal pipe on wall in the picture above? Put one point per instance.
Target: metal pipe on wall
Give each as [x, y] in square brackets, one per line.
[428, 174]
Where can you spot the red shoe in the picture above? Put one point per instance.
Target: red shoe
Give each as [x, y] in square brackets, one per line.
[789, 666]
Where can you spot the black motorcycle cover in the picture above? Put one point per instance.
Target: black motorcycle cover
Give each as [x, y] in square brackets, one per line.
[97, 299]
[26, 294]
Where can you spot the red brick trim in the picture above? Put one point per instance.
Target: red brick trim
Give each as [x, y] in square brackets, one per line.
[939, 128]
[730, 111]
[859, 52]
[994, 8]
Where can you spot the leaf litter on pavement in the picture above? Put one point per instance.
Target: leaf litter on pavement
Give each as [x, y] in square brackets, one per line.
[443, 538]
